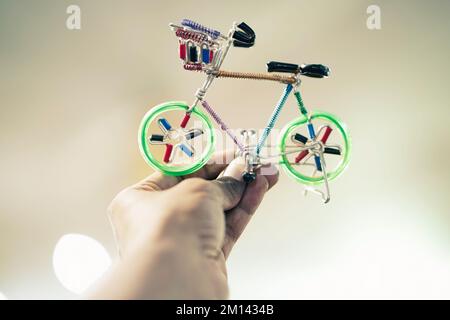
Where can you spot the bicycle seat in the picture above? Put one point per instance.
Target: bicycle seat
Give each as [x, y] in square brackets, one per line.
[308, 70]
[275, 66]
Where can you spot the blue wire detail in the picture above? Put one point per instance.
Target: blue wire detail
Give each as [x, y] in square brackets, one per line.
[165, 124]
[318, 164]
[186, 150]
[205, 55]
[273, 118]
[312, 132]
[197, 26]
[312, 135]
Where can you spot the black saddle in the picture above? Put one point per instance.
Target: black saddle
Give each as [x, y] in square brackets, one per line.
[309, 70]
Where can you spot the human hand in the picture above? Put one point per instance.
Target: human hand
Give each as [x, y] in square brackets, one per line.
[174, 234]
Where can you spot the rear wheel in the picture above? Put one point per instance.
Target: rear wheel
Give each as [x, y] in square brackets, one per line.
[325, 144]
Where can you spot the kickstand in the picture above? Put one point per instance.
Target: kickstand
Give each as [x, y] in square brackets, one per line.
[325, 195]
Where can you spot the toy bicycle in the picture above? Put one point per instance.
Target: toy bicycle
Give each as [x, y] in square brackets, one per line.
[178, 139]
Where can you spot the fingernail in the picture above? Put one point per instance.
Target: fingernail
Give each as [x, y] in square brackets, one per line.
[269, 169]
[235, 169]
[270, 173]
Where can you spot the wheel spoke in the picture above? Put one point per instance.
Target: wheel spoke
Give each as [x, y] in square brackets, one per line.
[168, 154]
[326, 134]
[330, 150]
[193, 133]
[318, 164]
[301, 155]
[164, 125]
[156, 139]
[187, 149]
[300, 138]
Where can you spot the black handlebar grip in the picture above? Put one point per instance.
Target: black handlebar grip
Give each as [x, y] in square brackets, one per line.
[246, 28]
[244, 37]
[240, 44]
[241, 36]
[275, 66]
[315, 70]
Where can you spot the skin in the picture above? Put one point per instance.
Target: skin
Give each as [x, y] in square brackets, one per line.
[174, 234]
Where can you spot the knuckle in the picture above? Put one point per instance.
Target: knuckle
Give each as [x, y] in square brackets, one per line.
[196, 185]
[230, 187]
[119, 203]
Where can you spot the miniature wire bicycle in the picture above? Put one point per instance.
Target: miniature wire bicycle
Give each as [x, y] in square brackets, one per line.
[308, 150]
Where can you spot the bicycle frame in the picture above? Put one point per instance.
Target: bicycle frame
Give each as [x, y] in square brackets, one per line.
[319, 161]
[271, 123]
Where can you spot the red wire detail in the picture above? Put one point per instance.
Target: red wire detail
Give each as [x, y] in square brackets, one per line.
[193, 67]
[189, 35]
[211, 56]
[185, 120]
[301, 155]
[182, 51]
[326, 135]
[168, 153]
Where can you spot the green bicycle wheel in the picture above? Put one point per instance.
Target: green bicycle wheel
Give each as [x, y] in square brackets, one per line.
[173, 150]
[338, 147]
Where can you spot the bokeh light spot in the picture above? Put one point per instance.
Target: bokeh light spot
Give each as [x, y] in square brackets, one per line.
[78, 261]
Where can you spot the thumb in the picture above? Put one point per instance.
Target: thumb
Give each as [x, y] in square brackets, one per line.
[229, 191]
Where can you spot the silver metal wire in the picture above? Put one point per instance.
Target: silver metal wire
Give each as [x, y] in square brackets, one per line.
[298, 149]
[250, 152]
[217, 63]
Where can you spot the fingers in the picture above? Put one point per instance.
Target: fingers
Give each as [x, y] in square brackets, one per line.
[218, 162]
[159, 181]
[238, 218]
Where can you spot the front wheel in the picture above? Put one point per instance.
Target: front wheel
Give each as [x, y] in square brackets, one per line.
[309, 149]
[171, 148]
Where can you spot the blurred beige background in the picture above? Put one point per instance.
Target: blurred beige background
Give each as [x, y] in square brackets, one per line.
[71, 103]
